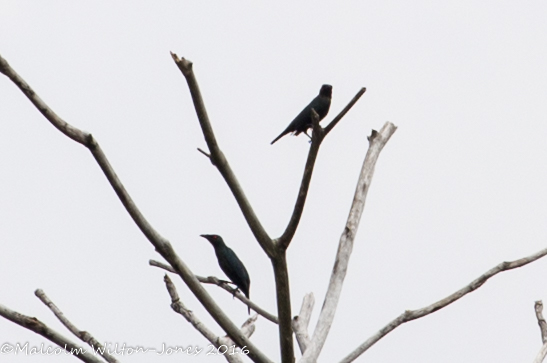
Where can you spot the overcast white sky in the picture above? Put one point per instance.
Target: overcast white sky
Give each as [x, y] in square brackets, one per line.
[459, 188]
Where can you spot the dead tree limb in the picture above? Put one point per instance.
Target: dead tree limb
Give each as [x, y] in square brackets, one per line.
[538, 307]
[541, 354]
[419, 313]
[162, 245]
[377, 141]
[300, 323]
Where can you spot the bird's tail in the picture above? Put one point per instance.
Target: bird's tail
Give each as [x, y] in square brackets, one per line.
[285, 132]
[248, 307]
[277, 138]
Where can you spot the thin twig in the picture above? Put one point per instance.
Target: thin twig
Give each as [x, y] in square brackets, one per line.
[377, 142]
[318, 133]
[419, 313]
[80, 334]
[162, 245]
[301, 321]
[215, 281]
[178, 306]
[204, 153]
[42, 329]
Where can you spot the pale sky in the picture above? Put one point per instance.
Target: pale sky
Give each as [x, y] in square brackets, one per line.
[459, 188]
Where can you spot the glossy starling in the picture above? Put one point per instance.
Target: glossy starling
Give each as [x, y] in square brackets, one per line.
[302, 122]
[230, 264]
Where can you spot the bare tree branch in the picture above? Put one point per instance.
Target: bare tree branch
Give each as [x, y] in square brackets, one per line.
[219, 160]
[70, 131]
[377, 142]
[178, 306]
[409, 315]
[318, 135]
[224, 285]
[342, 113]
[161, 244]
[81, 334]
[300, 322]
[538, 307]
[38, 327]
[541, 354]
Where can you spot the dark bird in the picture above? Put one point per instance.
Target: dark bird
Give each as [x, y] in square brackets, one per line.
[302, 122]
[230, 264]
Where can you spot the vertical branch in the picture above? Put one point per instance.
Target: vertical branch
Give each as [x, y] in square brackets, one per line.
[538, 307]
[300, 322]
[284, 314]
[219, 160]
[377, 142]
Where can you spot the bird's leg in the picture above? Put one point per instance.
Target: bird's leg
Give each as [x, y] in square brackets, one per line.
[235, 292]
[306, 132]
[234, 289]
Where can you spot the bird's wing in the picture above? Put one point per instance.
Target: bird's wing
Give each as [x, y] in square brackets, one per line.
[235, 270]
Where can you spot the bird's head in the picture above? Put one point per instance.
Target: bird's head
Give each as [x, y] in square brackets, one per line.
[326, 90]
[215, 239]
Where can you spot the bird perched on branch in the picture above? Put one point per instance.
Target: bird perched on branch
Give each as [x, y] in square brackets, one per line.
[230, 264]
[303, 121]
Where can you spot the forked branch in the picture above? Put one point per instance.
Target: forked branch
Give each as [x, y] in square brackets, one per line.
[38, 327]
[161, 244]
[317, 138]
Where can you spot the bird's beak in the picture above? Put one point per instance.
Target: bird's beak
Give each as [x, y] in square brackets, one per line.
[206, 236]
